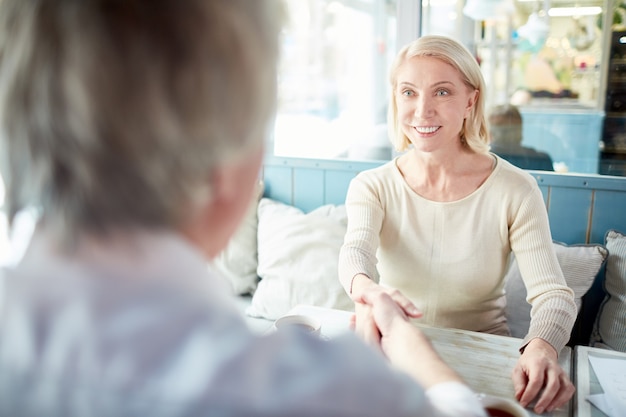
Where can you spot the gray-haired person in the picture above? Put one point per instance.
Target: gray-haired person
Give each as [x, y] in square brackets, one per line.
[505, 131]
[136, 130]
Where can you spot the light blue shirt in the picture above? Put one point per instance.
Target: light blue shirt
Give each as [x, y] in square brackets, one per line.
[141, 327]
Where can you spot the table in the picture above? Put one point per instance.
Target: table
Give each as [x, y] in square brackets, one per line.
[586, 380]
[484, 361]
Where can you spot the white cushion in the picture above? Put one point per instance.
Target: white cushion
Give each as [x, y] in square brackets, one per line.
[238, 261]
[580, 265]
[298, 258]
[610, 328]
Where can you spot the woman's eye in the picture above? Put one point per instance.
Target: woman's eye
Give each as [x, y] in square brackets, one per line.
[441, 93]
[407, 93]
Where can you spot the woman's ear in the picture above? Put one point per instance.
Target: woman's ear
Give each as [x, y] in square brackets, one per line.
[471, 102]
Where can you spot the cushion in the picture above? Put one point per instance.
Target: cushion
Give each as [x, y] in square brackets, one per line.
[580, 265]
[610, 328]
[238, 261]
[298, 259]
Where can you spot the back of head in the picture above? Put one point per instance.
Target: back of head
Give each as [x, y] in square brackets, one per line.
[474, 134]
[115, 112]
[505, 125]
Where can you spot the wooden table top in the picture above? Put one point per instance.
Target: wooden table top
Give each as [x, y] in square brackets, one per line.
[485, 361]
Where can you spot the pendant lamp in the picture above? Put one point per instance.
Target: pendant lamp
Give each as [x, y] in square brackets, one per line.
[536, 30]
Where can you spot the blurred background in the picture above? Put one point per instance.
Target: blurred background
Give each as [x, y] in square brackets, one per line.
[558, 60]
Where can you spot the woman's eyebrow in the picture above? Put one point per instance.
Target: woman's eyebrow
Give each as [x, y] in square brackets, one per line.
[437, 84]
[440, 83]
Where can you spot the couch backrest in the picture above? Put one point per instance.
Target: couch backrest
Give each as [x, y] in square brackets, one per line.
[581, 207]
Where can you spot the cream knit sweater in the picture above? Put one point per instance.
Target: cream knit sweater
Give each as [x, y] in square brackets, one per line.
[450, 258]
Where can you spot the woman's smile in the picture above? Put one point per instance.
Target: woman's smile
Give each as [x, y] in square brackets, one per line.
[425, 130]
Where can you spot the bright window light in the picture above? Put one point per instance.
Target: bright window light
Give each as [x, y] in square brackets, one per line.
[574, 11]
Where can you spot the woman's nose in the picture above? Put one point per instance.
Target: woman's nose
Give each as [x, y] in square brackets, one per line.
[423, 106]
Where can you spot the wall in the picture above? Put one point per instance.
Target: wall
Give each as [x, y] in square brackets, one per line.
[569, 136]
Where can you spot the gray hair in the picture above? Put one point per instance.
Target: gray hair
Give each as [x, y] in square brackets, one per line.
[505, 125]
[474, 134]
[115, 113]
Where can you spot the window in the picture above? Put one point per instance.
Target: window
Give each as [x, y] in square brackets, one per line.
[333, 82]
[333, 76]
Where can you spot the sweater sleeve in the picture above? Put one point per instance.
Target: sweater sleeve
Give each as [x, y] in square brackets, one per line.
[365, 216]
[553, 309]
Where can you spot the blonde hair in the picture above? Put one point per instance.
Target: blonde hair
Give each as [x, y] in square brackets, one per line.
[115, 113]
[474, 134]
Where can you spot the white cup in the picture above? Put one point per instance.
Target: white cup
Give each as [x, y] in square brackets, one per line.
[298, 322]
[502, 407]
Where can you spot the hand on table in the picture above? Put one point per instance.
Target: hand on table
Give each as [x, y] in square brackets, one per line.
[363, 286]
[538, 375]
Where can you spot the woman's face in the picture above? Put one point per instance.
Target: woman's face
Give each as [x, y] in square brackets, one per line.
[432, 102]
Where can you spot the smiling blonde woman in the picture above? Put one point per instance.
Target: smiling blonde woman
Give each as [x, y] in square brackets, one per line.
[435, 227]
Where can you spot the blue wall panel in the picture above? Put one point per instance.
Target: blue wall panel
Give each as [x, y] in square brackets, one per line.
[569, 214]
[337, 183]
[568, 136]
[609, 212]
[278, 183]
[308, 190]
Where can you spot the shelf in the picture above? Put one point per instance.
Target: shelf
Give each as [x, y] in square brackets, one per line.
[614, 151]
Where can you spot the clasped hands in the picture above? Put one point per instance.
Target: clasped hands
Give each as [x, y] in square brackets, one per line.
[536, 377]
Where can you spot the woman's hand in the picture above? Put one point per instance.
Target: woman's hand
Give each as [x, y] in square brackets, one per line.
[539, 375]
[364, 324]
[362, 287]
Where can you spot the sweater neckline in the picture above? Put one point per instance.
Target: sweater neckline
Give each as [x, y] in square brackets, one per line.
[497, 166]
